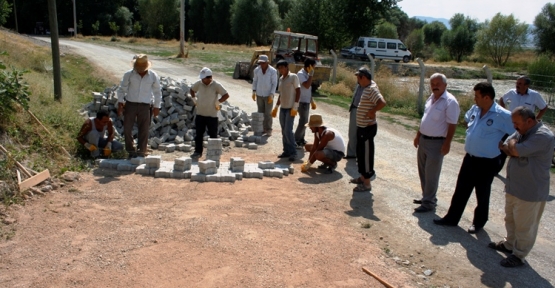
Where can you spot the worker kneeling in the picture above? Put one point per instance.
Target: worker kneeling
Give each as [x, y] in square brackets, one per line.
[328, 146]
[93, 135]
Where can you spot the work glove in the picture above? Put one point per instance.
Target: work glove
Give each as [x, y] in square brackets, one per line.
[108, 149]
[274, 112]
[313, 104]
[271, 99]
[90, 147]
[310, 71]
[305, 166]
[294, 109]
[253, 95]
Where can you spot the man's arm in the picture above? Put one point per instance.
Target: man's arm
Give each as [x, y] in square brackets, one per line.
[308, 83]
[111, 133]
[85, 129]
[297, 95]
[380, 103]
[501, 103]
[447, 143]
[540, 114]
[274, 80]
[224, 97]
[321, 144]
[416, 141]
[255, 79]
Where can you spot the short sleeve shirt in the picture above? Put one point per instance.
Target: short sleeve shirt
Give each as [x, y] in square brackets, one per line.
[528, 175]
[306, 93]
[287, 90]
[207, 95]
[484, 133]
[439, 114]
[532, 99]
[369, 99]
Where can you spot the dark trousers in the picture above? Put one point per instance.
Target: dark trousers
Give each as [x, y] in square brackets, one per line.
[304, 111]
[136, 113]
[202, 123]
[476, 174]
[365, 150]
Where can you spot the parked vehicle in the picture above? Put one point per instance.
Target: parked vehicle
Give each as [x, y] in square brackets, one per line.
[382, 48]
[348, 52]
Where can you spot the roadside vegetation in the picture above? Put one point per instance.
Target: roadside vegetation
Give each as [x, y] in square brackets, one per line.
[22, 136]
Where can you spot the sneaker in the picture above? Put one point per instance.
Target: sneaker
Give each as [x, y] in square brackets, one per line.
[511, 261]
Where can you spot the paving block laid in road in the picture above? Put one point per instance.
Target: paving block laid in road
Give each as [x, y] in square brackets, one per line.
[137, 160]
[253, 146]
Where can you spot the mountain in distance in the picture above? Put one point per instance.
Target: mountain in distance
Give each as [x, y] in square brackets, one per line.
[432, 19]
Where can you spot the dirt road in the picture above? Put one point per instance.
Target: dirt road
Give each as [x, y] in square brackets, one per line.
[304, 230]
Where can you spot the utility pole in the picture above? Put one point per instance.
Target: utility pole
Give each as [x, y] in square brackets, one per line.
[52, 16]
[182, 30]
[74, 19]
[15, 16]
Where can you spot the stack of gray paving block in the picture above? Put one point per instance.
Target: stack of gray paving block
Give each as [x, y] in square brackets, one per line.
[266, 165]
[175, 122]
[182, 164]
[257, 123]
[237, 164]
[214, 150]
[207, 167]
[165, 170]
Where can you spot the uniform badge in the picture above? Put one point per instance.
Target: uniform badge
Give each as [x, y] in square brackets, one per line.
[472, 118]
[490, 122]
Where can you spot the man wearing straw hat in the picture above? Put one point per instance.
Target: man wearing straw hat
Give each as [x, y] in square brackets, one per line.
[264, 84]
[328, 146]
[139, 89]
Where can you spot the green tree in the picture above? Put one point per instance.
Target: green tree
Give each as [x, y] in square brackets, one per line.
[386, 30]
[12, 90]
[156, 13]
[114, 27]
[544, 31]
[95, 27]
[124, 19]
[415, 42]
[433, 32]
[219, 21]
[5, 11]
[460, 40]
[195, 14]
[400, 19]
[284, 6]
[254, 21]
[137, 28]
[499, 38]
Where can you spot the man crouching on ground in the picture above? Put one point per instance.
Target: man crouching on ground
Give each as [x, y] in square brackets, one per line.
[328, 146]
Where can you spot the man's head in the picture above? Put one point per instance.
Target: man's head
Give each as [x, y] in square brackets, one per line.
[205, 75]
[315, 123]
[522, 84]
[283, 67]
[141, 63]
[263, 62]
[102, 118]
[484, 94]
[364, 77]
[438, 84]
[523, 119]
[309, 62]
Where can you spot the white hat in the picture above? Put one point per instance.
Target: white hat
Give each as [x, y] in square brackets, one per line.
[262, 58]
[205, 72]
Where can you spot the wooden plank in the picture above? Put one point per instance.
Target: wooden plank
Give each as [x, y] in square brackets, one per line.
[377, 278]
[23, 170]
[18, 176]
[34, 180]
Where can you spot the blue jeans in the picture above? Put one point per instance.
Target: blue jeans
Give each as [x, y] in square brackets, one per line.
[287, 136]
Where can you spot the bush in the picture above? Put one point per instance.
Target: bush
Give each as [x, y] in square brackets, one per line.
[442, 55]
[541, 71]
[12, 90]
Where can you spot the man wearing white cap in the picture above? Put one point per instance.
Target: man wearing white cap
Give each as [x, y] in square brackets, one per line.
[206, 91]
[328, 146]
[264, 84]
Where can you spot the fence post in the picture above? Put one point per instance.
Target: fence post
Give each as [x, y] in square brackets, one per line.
[372, 64]
[488, 74]
[421, 87]
[334, 66]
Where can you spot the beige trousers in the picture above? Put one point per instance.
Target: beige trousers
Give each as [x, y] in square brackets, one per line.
[522, 219]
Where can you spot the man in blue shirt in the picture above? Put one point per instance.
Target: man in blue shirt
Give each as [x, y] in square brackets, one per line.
[487, 124]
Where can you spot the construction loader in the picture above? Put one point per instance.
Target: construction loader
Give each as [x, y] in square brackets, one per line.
[295, 48]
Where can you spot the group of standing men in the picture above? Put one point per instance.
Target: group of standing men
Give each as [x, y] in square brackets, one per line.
[530, 148]
[529, 144]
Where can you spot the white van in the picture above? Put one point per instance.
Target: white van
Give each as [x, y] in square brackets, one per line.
[381, 48]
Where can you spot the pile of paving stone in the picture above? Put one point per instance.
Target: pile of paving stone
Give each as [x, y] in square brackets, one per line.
[173, 128]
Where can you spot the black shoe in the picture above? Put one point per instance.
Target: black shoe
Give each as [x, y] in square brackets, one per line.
[422, 209]
[292, 158]
[443, 222]
[349, 157]
[511, 261]
[499, 247]
[417, 201]
[196, 155]
[473, 229]
[283, 155]
[323, 166]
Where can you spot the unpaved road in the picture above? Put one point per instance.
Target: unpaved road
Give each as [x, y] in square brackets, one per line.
[300, 231]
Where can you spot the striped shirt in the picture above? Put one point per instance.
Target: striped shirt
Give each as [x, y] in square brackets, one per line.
[368, 101]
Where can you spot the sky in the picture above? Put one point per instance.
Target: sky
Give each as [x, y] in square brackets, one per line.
[525, 11]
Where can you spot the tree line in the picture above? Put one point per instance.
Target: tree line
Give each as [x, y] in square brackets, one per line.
[337, 23]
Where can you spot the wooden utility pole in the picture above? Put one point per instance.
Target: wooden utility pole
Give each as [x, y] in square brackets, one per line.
[182, 30]
[15, 16]
[74, 19]
[54, 38]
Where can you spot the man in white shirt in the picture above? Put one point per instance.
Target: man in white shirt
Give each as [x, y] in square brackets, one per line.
[138, 91]
[522, 95]
[433, 139]
[328, 146]
[206, 91]
[264, 84]
[305, 78]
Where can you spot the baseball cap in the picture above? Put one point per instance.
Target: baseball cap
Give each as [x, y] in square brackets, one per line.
[205, 72]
